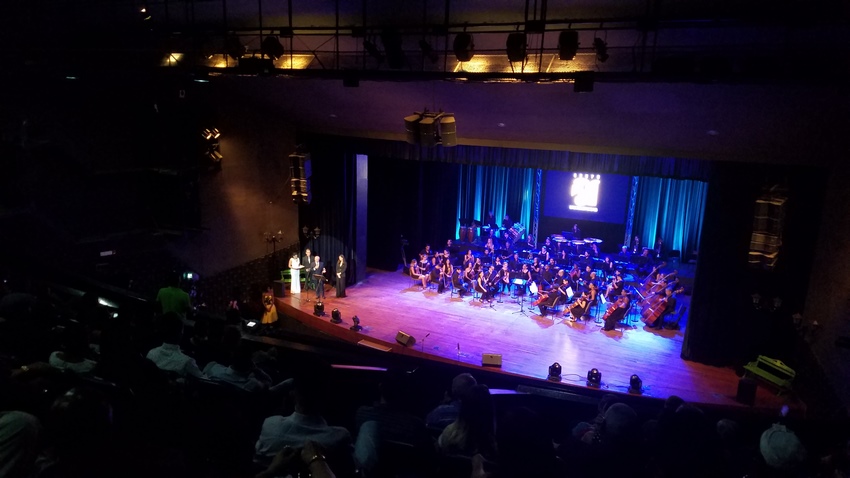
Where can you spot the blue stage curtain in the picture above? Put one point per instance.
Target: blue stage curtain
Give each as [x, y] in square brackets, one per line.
[672, 210]
[502, 190]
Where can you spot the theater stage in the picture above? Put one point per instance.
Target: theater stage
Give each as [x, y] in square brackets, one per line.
[454, 330]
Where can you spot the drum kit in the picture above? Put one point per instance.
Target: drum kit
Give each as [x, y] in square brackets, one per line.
[576, 246]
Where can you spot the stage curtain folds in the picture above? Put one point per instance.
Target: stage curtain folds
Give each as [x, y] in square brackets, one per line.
[672, 210]
[502, 190]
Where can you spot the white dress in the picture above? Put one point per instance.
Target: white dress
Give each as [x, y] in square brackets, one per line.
[295, 286]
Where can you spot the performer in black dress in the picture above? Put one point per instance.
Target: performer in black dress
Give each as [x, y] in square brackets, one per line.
[341, 265]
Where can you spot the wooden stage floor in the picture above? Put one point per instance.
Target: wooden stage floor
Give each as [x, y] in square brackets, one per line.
[450, 329]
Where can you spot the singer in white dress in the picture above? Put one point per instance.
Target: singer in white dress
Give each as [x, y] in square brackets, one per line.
[294, 268]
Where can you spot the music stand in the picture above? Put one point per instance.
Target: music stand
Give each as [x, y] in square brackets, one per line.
[520, 298]
[320, 282]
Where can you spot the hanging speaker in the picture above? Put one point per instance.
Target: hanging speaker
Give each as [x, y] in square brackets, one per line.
[448, 131]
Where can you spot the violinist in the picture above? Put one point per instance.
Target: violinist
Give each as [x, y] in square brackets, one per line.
[615, 288]
[416, 273]
[469, 276]
[504, 278]
[482, 288]
[546, 274]
[525, 275]
[468, 258]
[617, 311]
[535, 267]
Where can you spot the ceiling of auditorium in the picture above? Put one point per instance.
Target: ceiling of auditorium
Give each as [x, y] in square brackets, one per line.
[791, 114]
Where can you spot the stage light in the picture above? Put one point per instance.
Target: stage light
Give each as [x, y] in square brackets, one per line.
[272, 48]
[448, 131]
[635, 384]
[233, 47]
[336, 317]
[411, 126]
[567, 44]
[594, 378]
[206, 133]
[216, 133]
[391, 40]
[356, 327]
[428, 51]
[463, 47]
[515, 47]
[319, 309]
[554, 372]
[215, 156]
[601, 49]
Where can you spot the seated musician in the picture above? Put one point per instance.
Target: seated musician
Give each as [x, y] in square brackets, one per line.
[482, 288]
[544, 254]
[669, 308]
[515, 264]
[504, 278]
[547, 243]
[477, 266]
[607, 266]
[436, 274]
[448, 270]
[617, 311]
[490, 245]
[579, 307]
[458, 283]
[535, 267]
[416, 273]
[615, 288]
[594, 250]
[525, 275]
[468, 258]
[426, 251]
[469, 276]
[546, 274]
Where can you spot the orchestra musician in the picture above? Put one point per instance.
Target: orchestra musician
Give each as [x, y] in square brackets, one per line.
[491, 221]
[436, 274]
[579, 307]
[607, 267]
[448, 270]
[615, 288]
[576, 232]
[457, 281]
[535, 267]
[636, 248]
[514, 264]
[426, 251]
[617, 311]
[468, 258]
[469, 277]
[504, 278]
[416, 273]
[544, 254]
[594, 250]
[482, 287]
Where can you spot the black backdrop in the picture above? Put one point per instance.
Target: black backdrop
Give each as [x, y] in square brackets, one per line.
[414, 199]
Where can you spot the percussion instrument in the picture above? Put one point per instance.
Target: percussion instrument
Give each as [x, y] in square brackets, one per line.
[592, 240]
[559, 238]
[577, 243]
[485, 231]
[463, 233]
[470, 233]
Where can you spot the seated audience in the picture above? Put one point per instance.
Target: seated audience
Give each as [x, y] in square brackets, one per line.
[19, 443]
[310, 390]
[446, 413]
[473, 432]
[172, 298]
[75, 349]
[241, 373]
[168, 356]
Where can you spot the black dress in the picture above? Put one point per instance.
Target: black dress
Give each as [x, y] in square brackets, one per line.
[340, 280]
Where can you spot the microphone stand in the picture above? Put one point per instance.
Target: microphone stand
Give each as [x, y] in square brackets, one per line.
[422, 345]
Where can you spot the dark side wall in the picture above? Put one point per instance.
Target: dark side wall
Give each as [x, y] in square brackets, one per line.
[250, 195]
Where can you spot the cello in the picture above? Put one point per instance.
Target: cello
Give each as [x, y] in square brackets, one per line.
[656, 307]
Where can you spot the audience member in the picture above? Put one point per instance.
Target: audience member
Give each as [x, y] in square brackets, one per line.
[19, 443]
[474, 430]
[172, 298]
[310, 390]
[782, 451]
[394, 422]
[525, 448]
[75, 349]
[241, 373]
[440, 417]
[168, 356]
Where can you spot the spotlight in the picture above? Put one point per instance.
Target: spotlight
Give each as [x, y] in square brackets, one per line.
[594, 378]
[554, 372]
[567, 44]
[464, 47]
[515, 47]
[601, 49]
[215, 156]
[319, 309]
[216, 133]
[207, 134]
[428, 51]
[271, 47]
[336, 317]
[356, 327]
[233, 47]
[635, 384]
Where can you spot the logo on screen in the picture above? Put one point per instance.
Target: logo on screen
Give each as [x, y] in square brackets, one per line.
[584, 192]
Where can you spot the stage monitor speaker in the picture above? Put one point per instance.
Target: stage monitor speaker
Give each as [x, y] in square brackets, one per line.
[405, 339]
[278, 288]
[411, 125]
[491, 360]
[746, 391]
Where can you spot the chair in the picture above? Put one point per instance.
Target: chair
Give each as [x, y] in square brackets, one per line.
[456, 285]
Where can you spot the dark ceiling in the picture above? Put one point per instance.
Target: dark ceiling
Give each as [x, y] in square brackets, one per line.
[794, 109]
